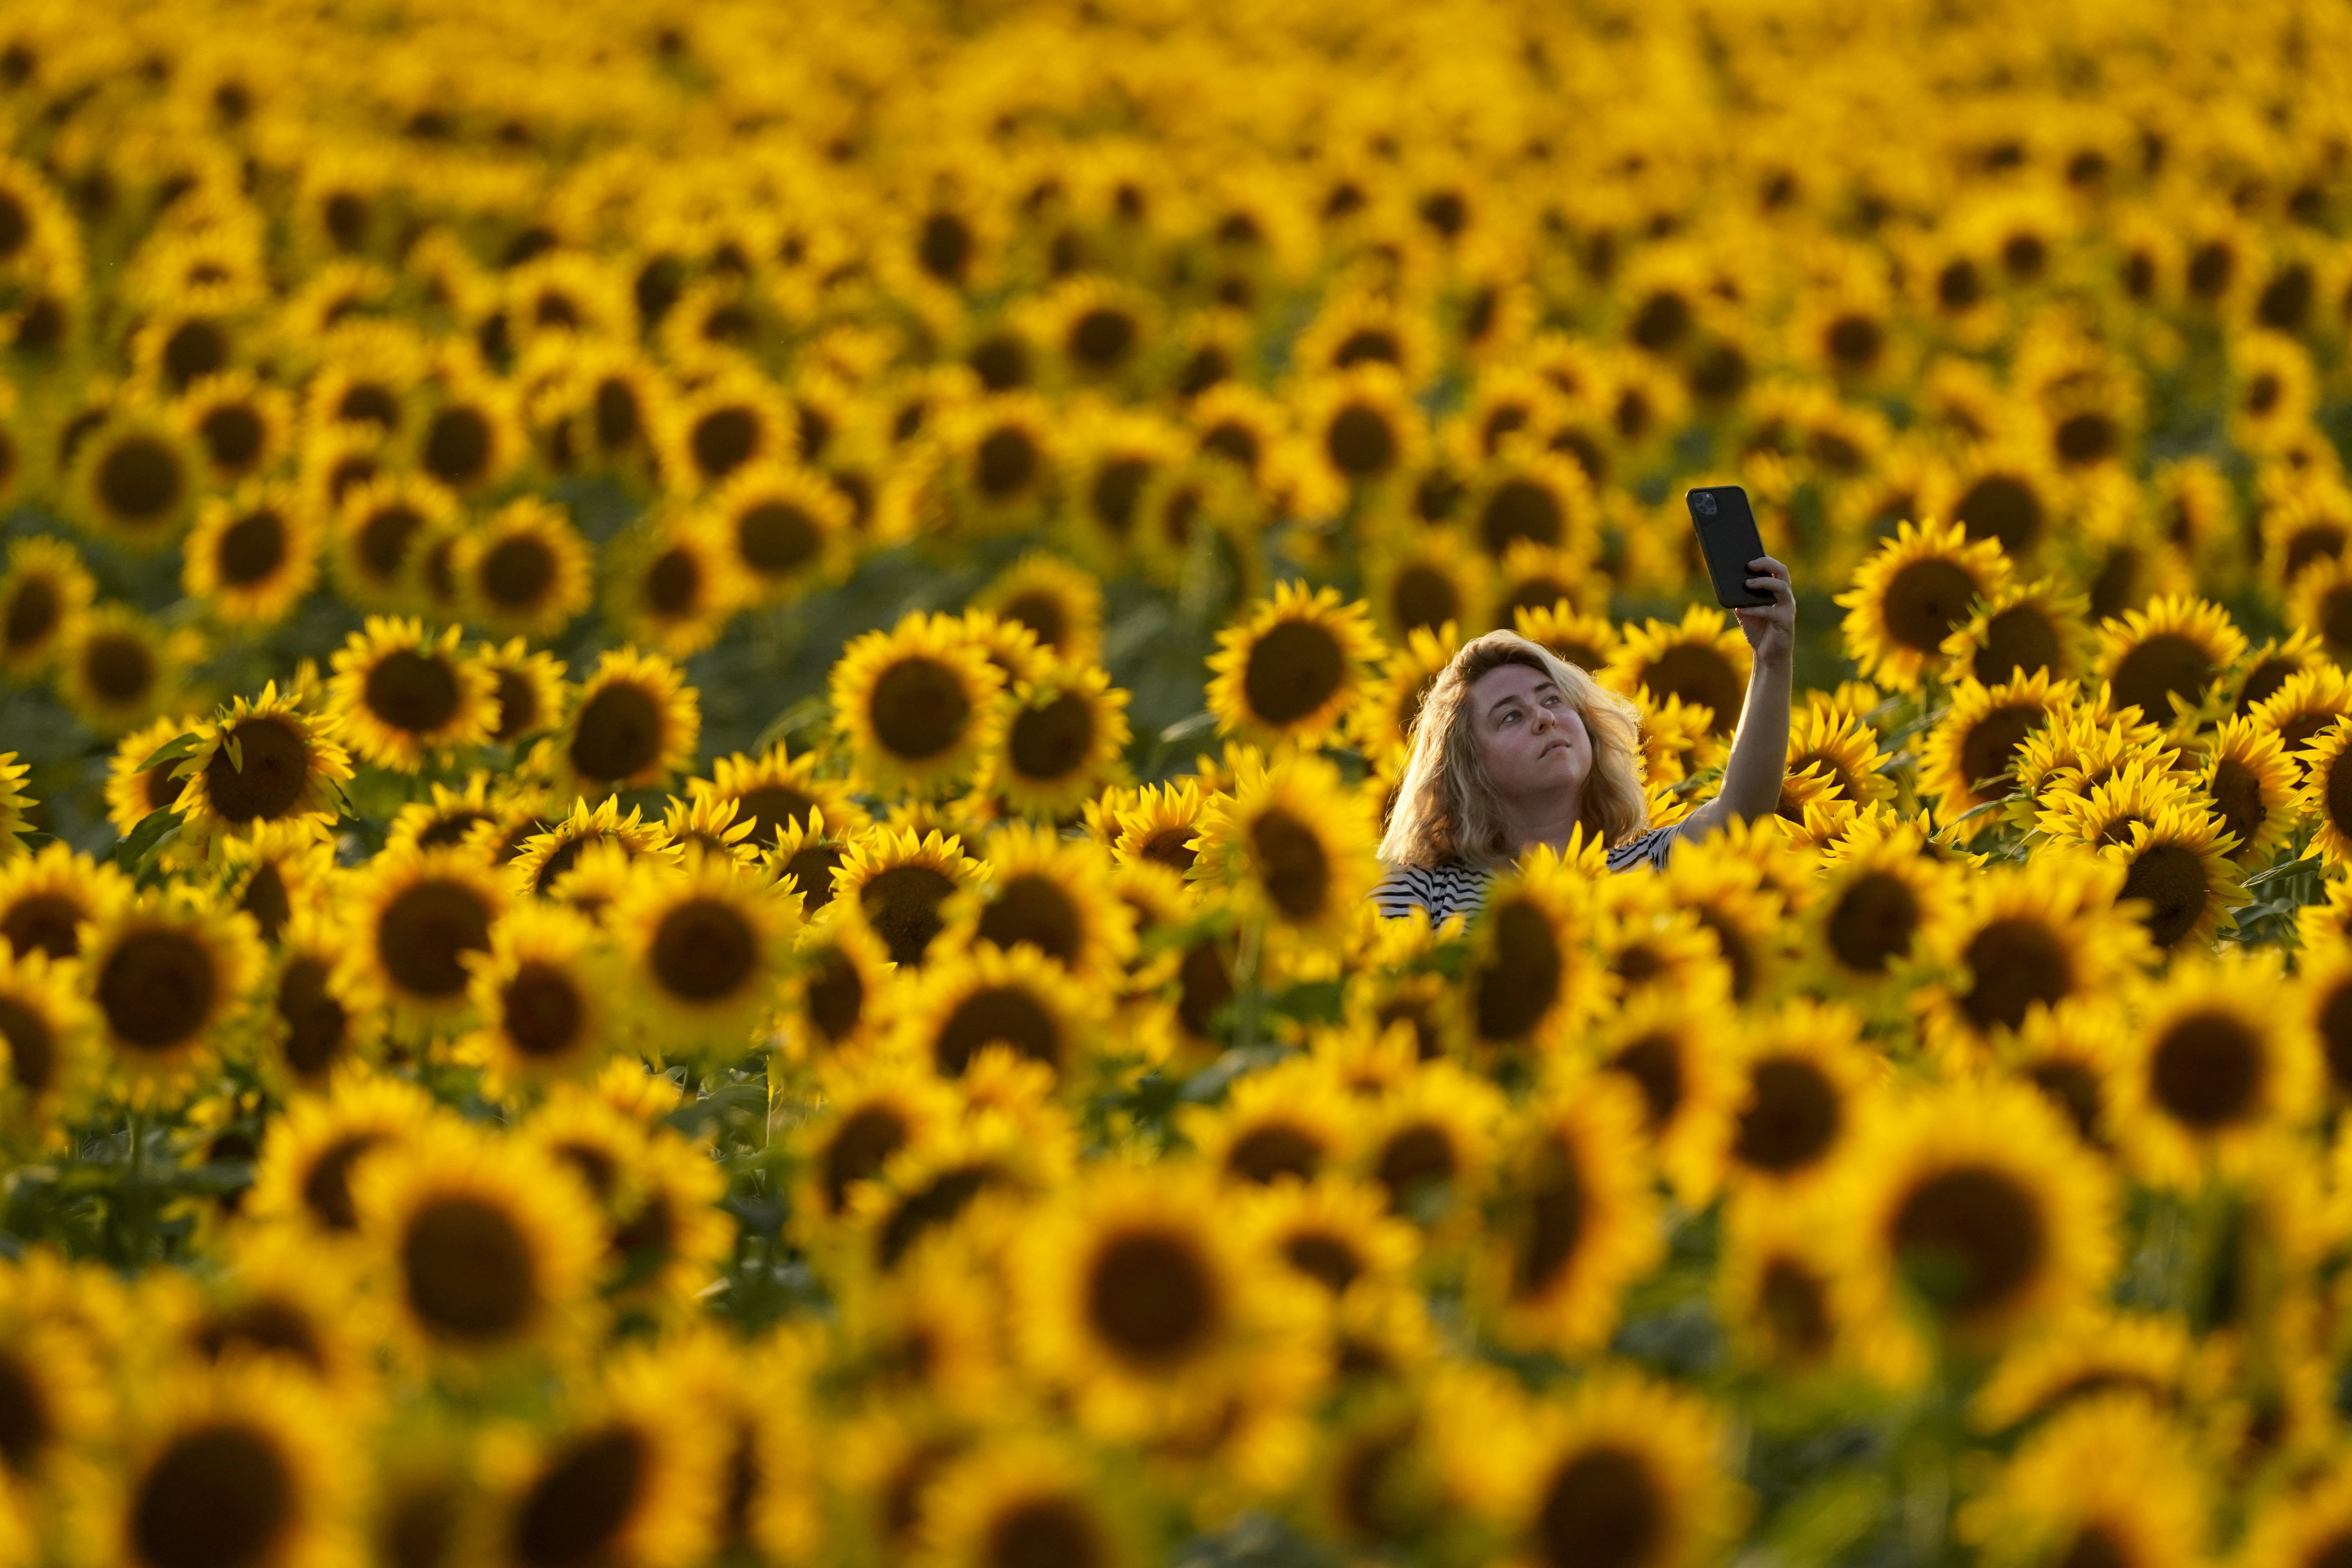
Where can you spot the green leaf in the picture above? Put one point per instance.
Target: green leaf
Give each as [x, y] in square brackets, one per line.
[170, 751]
[145, 839]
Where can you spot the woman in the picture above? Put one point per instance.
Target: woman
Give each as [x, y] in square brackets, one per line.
[1516, 747]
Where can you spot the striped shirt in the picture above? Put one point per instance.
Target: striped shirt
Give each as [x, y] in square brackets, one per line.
[1460, 889]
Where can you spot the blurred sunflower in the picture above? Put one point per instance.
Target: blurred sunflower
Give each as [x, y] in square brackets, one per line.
[400, 694]
[2326, 795]
[1537, 498]
[546, 1014]
[1875, 916]
[276, 872]
[1053, 895]
[1291, 1123]
[2208, 1073]
[788, 528]
[242, 426]
[632, 724]
[1808, 1094]
[1361, 426]
[2020, 630]
[900, 882]
[672, 583]
[2108, 1476]
[121, 668]
[43, 594]
[48, 1028]
[1296, 846]
[1061, 603]
[704, 947]
[321, 1016]
[1423, 582]
[416, 915]
[991, 999]
[168, 974]
[529, 688]
[134, 792]
[384, 527]
[2024, 943]
[912, 703]
[523, 570]
[2171, 652]
[134, 479]
[252, 556]
[1055, 741]
[47, 897]
[1025, 1499]
[1701, 663]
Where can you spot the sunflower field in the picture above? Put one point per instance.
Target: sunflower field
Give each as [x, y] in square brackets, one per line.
[695, 701]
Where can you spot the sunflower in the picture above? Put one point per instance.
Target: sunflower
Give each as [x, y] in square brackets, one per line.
[2307, 524]
[1296, 847]
[1621, 1473]
[168, 974]
[134, 479]
[546, 858]
[2272, 389]
[120, 669]
[663, 1228]
[47, 897]
[321, 1015]
[1062, 604]
[276, 871]
[900, 882]
[523, 572]
[47, 1028]
[2163, 660]
[1022, 1501]
[1361, 426]
[282, 1301]
[1050, 894]
[1529, 977]
[1055, 741]
[266, 760]
[1002, 453]
[912, 703]
[1016, 1001]
[487, 1248]
[787, 529]
[2018, 630]
[2020, 944]
[2326, 796]
[1428, 1137]
[632, 724]
[417, 913]
[1533, 497]
[1701, 663]
[1337, 1234]
[1876, 914]
[544, 1015]
[1290, 1123]
[1383, 722]
[1917, 591]
[2107, 1478]
[1586, 639]
[2249, 783]
[838, 994]
[1807, 1093]
[672, 582]
[243, 424]
[704, 947]
[2175, 861]
[2208, 1073]
[252, 556]
[43, 594]
[1153, 1319]
[238, 1457]
[778, 796]
[1971, 756]
[1360, 327]
[1573, 1222]
[1423, 582]
[1977, 1203]
[402, 694]
[709, 824]
[469, 434]
[384, 527]
[1292, 668]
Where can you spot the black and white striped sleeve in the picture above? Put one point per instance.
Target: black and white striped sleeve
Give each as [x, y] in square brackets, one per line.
[1649, 849]
[1442, 890]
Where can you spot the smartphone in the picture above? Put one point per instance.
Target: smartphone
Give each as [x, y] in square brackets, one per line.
[1727, 537]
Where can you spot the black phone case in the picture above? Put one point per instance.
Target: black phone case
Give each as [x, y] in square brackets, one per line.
[1727, 537]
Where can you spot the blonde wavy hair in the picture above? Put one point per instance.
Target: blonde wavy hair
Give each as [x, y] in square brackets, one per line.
[1445, 807]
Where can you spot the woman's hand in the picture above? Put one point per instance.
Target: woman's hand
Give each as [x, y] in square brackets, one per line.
[1772, 628]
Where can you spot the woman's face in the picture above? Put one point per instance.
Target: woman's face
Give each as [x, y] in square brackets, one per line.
[1530, 736]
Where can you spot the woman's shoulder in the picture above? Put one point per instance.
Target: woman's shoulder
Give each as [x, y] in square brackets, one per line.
[1453, 888]
[1649, 847]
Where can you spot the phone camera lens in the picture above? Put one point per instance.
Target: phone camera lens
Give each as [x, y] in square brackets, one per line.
[1702, 503]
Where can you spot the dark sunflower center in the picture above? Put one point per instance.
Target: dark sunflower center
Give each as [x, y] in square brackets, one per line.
[32, 1046]
[1151, 1298]
[120, 668]
[2161, 667]
[517, 702]
[517, 573]
[1291, 858]
[723, 440]
[141, 481]
[157, 989]
[1924, 600]
[1855, 342]
[34, 612]
[2207, 1070]
[2095, 1546]
[619, 734]
[2018, 641]
[1793, 1302]
[2015, 963]
[705, 950]
[1988, 749]
[1035, 909]
[232, 435]
[858, 1149]
[277, 766]
[1873, 922]
[416, 693]
[1361, 441]
[27, 1425]
[674, 583]
[935, 1204]
[1968, 1239]
[902, 905]
[385, 538]
[1102, 339]
[1654, 1063]
[1792, 1118]
[219, 1495]
[1602, 1509]
[777, 537]
[2172, 878]
[1330, 1260]
[997, 1016]
[1425, 597]
[2000, 506]
[252, 548]
[317, 1026]
[1699, 674]
[834, 995]
[194, 349]
[1520, 508]
[1051, 742]
[1043, 614]
[1293, 670]
[458, 444]
[425, 931]
[1006, 463]
[327, 1186]
[471, 1274]
[267, 899]
[47, 921]
[544, 1010]
[265, 1325]
[2087, 438]
[1554, 1221]
[1520, 980]
[1417, 1158]
[918, 709]
[573, 1511]
[1272, 1149]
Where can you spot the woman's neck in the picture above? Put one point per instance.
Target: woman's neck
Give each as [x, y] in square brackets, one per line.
[1551, 820]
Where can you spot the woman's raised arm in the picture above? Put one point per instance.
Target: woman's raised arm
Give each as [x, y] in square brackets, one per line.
[1759, 751]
